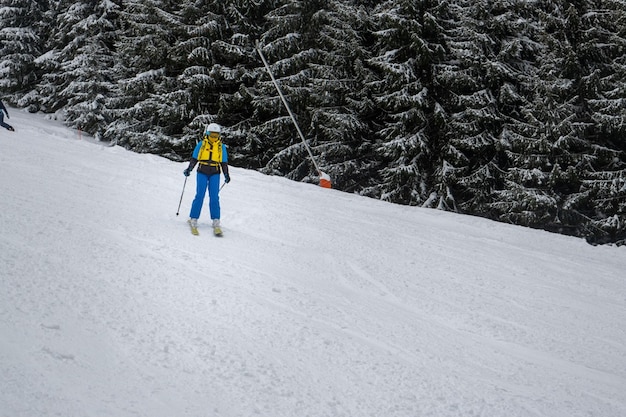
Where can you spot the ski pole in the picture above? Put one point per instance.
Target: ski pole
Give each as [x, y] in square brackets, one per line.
[181, 196]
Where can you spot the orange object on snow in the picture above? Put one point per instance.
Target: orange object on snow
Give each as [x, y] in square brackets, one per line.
[325, 180]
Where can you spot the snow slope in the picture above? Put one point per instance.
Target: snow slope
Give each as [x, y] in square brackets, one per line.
[315, 303]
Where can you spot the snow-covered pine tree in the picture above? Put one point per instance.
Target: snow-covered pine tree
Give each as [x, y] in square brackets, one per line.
[545, 147]
[79, 76]
[149, 111]
[288, 54]
[319, 60]
[604, 46]
[528, 101]
[20, 45]
[45, 63]
[340, 103]
[561, 173]
[600, 44]
[466, 85]
[408, 43]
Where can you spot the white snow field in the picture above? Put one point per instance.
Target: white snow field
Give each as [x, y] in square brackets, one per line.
[315, 303]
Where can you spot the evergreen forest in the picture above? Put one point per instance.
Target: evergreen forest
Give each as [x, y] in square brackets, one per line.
[511, 110]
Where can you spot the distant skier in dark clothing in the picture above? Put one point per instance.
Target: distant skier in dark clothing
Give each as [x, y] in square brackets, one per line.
[3, 110]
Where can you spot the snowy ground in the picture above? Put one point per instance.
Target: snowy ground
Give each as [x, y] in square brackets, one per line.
[315, 303]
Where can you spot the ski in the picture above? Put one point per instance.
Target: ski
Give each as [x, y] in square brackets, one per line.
[194, 228]
[217, 231]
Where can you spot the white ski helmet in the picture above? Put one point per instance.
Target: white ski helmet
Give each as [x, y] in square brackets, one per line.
[212, 127]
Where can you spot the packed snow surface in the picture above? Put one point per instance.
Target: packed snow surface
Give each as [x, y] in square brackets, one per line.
[314, 303]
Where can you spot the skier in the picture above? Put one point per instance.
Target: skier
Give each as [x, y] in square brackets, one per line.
[4, 125]
[212, 158]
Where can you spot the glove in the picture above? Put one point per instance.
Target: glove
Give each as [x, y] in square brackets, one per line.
[186, 172]
[227, 178]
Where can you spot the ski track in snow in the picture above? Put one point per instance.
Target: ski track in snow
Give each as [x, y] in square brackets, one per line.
[315, 303]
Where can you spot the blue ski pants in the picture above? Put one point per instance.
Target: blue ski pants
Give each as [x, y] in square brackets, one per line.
[203, 182]
[4, 125]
